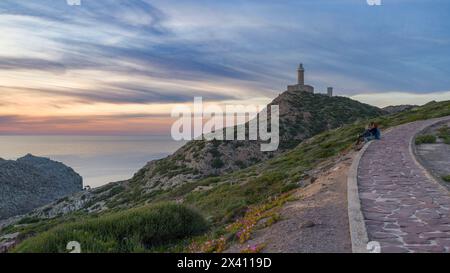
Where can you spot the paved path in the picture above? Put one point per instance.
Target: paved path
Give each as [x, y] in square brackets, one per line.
[404, 209]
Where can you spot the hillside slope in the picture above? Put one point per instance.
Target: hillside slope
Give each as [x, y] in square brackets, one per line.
[238, 203]
[31, 182]
[302, 115]
[394, 109]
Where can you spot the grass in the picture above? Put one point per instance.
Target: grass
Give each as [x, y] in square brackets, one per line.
[234, 193]
[256, 217]
[231, 195]
[427, 111]
[446, 178]
[217, 163]
[425, 139]
[135, 230]
[227, 202]
[444, 134]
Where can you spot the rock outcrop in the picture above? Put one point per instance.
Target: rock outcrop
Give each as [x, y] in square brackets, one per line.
[31, 182]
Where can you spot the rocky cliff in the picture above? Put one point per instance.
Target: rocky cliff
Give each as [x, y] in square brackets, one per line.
[31, 182]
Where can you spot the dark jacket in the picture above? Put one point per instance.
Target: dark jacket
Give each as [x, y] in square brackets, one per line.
[376, 133]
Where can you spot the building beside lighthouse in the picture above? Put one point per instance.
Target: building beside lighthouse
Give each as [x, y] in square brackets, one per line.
[300, 86]
[330, 91]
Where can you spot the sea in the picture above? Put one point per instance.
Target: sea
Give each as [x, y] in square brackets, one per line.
[98, 159]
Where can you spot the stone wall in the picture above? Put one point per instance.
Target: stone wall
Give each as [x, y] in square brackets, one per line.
[300, 88]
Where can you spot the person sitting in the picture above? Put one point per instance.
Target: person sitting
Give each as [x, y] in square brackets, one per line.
[375, 132]
[372, 132]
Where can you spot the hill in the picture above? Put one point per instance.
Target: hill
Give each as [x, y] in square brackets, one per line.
[302, 115]
[31, 182]
[394, 109]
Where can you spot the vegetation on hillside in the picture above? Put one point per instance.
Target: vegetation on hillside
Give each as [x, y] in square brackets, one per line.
[444, 134]
[425, 139]
[302, 115]
[228, 199]
[136, 230]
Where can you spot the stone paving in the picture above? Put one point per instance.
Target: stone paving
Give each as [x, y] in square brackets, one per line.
[404, 209]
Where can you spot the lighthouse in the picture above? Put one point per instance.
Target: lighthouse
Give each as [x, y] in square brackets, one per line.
[301, 86]
[301, 75]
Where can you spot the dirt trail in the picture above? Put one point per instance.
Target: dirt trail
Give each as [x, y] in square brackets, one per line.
[315, 223]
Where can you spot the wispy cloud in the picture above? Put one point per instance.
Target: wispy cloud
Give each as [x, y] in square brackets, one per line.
[398, 98]
[119, 56]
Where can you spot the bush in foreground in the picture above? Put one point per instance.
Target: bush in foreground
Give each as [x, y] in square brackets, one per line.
[135, 230]
[425, 139]
[444, 134]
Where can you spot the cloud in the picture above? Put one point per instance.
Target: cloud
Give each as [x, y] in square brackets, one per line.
[114, 53]
[8, 119]
[140, 124]
[398, 98]
[129, 93]
[30, 64]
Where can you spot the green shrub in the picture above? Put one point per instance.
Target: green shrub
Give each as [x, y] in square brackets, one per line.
[28, 220]
[444, 133]
[446, 178]
[116, 190]
[105, 188]
[227, 201]
[134, 230]
[241, 164]
[446, 139]
[425, 139]
[217, 163]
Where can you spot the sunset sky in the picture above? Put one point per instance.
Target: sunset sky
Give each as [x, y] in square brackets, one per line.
[119, 66]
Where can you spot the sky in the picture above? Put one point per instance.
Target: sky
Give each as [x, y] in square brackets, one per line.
[120, 66]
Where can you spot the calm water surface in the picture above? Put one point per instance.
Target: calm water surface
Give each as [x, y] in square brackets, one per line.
[98, 159]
